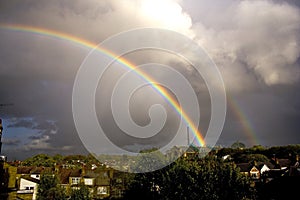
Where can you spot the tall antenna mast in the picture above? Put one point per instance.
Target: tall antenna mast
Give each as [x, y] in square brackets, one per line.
[188, 135]
[1, 129]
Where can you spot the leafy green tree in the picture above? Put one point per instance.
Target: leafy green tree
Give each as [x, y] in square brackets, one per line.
[55, 193]
[49, 189]
[248, 158]
[149, 160]
[207, 178]
[258, 148]
[180, 181]
[74, 158]
[58, 158]
[39, 160]
[201, 179]
[225, 151]
[238, 145]
[82, 193]
[283, 151]
[147, 185]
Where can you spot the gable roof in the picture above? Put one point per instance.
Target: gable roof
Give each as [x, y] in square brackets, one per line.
[37, 170]
[64, 175]
[32, 170]
[24, 170]
[294, 171]
[244, 167]
[75, 173]
[91, 173]
[34, 180]
[284, 162]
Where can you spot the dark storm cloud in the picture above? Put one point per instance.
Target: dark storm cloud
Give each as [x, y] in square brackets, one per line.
[11, 141]
[24, 123]
[42, 126]
[254, 43]
[271, 117]
[34, 137]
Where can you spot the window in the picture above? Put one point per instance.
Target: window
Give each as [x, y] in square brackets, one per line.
[105, 174]
[75, 180]
[75, 188]
[89, 181]
[118, 180]
[102, 190]
[254, 175]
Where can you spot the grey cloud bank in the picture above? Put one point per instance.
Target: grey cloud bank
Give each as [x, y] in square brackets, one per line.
[255, 44]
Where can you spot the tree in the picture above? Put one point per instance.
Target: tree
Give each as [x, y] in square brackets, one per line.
[238, 145]
[248, 158]
[144, 186]
[201, 179]
[49, 189]
[55, 193]
[147, 182]
[149, 160]
[180, 181]
[258, 148]
[58, 158]
[40, 160]
[82, 193]
[207, 178]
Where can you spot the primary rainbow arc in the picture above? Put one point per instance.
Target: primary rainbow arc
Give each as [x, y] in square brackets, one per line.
[124, 62]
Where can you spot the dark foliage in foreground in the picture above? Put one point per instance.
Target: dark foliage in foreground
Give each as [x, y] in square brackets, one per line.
[198, 178]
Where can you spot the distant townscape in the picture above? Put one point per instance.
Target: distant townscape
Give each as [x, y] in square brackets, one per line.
[199, 173]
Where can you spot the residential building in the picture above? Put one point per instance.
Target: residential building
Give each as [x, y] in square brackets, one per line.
[28, 188]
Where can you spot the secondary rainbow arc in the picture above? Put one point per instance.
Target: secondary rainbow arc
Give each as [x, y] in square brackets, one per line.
[244, 121]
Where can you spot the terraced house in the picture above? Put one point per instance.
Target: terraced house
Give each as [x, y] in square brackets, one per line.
[22, 182]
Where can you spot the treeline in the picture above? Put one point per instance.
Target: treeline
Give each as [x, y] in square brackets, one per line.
[46, 160]
[259, 153]
[237, 151]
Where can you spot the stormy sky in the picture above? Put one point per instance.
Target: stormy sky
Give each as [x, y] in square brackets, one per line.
[255, 45]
